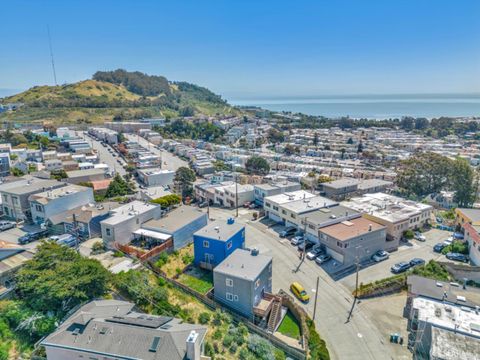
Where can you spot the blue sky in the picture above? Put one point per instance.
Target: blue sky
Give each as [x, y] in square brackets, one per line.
[250, 49]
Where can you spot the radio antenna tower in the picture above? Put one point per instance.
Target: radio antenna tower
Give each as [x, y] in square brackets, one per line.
[51, 55]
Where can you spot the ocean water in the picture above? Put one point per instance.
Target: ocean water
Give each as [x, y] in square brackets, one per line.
[374, 107]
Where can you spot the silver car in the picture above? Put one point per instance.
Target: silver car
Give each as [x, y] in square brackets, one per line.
[5, 225]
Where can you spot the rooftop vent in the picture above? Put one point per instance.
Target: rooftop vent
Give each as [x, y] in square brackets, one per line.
[154, 346]
[230, 221]
[254, 252]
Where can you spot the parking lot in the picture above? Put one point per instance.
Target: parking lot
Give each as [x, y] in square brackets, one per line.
[12, 235]
[406, 252]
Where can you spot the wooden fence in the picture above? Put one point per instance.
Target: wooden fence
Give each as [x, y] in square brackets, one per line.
[237, 318]
[145, 255]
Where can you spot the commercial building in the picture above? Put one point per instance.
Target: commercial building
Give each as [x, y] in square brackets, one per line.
[262, 191]
[181, 223]
[15, 195]
[397, 214]
[242, 279]
[103, 134]
[353, 240]
[156, 177]
[127, 126]
[4, 164]
[273, 203]
[124, 220]
[56, 201]
[111, 330]
[216, 241]
[346, 187]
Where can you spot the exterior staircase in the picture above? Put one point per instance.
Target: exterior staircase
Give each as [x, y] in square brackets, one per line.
[275, 315]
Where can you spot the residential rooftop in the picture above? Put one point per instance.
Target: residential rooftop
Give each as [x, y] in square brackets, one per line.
[448, 345]
[331, 214]
[110, 328]
[175, 219]
[473, 214]
[86, 172]
[289, 197]
[308, 204]
[352, 228]
[220, 230]
[128, 211]
[49, 195]
[243, 264]
[391, 208]
[30, 185]
[434, 289]
[341, 183]
[453, 318]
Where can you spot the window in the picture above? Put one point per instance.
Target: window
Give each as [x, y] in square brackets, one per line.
[206, 244]
[257, 283]
[284, 212]
[108, 232]
[235, 297]
[39, 208]
[275, 208]
[293, 216]
[229, 282]
[229, 245]
[229, 296]
[5, 198]
[267, 204]
[15, 200]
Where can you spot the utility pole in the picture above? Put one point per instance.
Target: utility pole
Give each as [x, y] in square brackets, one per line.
[316, 296]
[236, 194]
[356, 279]
[75, 232]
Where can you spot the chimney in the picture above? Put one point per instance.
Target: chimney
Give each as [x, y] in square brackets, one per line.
[193, 346]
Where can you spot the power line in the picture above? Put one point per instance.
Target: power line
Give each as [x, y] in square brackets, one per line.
[51, 55]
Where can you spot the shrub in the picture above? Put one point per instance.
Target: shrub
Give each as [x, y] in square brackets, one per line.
[408, 234]
[187, 259]
[316, 345]
[209, 350]
[456, 247]
[98, 247]
[217, 335]
[261, 347]
[204, 318]
[178, 271]
[227, 340]
[217, 317]
[279, 355]
[118, 254]
[233, 348]
[244, 354]
[162, 259]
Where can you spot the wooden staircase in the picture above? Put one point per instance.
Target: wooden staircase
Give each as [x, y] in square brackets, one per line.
[275, 315]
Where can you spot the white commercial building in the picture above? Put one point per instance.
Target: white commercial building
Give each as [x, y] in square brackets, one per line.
[156, 177]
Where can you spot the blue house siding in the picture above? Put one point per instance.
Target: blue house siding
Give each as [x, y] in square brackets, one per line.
[214, 251]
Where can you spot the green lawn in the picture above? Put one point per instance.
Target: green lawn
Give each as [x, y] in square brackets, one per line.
[201, 283]
[289, 326]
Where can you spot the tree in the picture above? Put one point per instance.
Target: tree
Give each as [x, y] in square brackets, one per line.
[407, 123]
[424, 173]
[289, 149]
[275, 136]
[58, 174]
[463, 183]
[315, 139]
[421, 123]
[16, 172]
[257, 165]
[350, 141]
[57, 279]
[118, 187]
[167, 200]
[184, 177]
[360, 147]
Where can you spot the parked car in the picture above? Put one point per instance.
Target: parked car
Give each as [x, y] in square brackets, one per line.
[5, 225]
[416, 262]
[299, 292]
[32, 236]
[457, 257]
[254, 206]
[297, 240]
[439, 247]
[400, 267]
[449, 240]
[312, 254]
[246, 205]
[322, 259]
[380, 255]
[290, 230]
[420, 237]
[458, 236]
[203, 204]
[305, 245]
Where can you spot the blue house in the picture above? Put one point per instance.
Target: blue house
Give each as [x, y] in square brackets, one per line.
[215, 242]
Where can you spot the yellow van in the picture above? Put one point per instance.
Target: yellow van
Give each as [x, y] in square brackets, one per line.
[299, 292]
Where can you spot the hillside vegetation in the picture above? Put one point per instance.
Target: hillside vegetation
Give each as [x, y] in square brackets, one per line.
[115, 95]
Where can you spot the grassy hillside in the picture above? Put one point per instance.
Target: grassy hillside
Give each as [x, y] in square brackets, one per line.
[116, 95]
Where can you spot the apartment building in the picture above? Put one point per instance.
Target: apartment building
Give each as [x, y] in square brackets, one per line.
[156, 177]
[273, 203]
[397, 214]
[15, 195]
[49, 203]
[261, 191]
